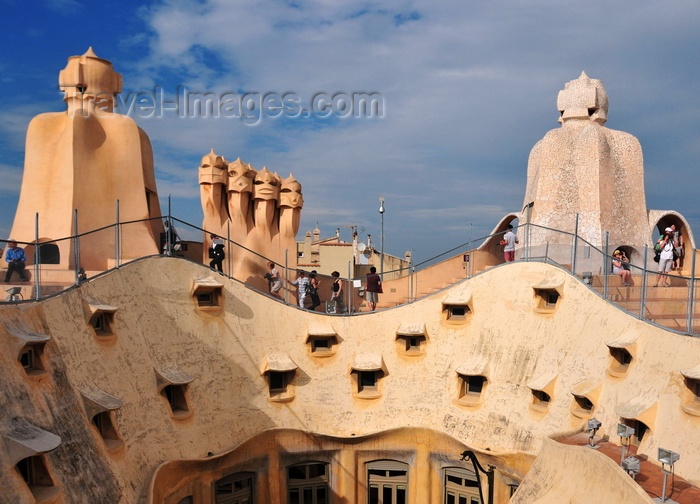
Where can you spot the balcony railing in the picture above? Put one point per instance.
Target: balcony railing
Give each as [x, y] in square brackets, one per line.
[675, 308]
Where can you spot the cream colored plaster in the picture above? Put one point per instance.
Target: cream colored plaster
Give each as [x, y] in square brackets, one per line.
[587, 171]
[258, 210]
[576, 475]
[158, 327]
[86, 159]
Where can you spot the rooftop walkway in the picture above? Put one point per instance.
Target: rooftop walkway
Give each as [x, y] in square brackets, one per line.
[650, 477]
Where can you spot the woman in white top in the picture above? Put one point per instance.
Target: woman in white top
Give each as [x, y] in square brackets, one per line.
[664, 245]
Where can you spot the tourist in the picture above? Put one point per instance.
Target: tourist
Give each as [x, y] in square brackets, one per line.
[301, 282]
[170, 238]
[678, 247]
[216, 253]
[15, 258]
[618, 267]
[312, 290]
[664, 246]
[373, 288]
[509, 240]
[337, 292]
[274, 280]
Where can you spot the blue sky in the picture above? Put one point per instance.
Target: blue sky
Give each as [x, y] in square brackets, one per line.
[467, 89]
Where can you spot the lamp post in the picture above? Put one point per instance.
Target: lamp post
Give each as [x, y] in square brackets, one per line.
[381, 259]
[468, 454]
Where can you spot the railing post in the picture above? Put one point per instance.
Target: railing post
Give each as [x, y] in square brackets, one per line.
[605, 265]
[575, 248]
[643, 292]
[37, 285]
[76, 244]
[691, 301]
[228, 248]
[286, 276]
[528, 217]
[348, 290]
[527, 238]
[169, 233]
[117, 244]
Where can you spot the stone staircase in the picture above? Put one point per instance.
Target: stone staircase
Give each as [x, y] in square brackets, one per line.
[424, 290]
[666, 306]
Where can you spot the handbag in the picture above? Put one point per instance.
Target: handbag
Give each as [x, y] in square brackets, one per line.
[657, 257]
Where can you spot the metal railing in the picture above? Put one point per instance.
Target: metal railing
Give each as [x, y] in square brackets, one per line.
[675, 309]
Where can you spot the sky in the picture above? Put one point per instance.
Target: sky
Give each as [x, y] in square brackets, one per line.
[461, 91]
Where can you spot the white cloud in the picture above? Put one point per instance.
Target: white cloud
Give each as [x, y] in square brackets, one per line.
[468, 87]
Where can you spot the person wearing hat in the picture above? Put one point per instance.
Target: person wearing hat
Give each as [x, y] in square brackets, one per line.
[664, 245]
[15, 258]
[619, 269]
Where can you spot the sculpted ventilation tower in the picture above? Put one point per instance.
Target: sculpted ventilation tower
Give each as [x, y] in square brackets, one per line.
[86, 159]
[587, 169]
[256, 209]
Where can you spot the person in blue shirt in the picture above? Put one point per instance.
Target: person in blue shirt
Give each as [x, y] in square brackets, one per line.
[15, 261]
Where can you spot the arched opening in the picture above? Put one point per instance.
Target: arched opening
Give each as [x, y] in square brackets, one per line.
[49, 253]
[492, 244]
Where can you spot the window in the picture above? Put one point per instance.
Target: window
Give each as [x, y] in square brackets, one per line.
[584, 403]
[280, 385]
[27, 359]
[235, 489]
[367, 381]
[640, 430]
[30, 357]
[411, 344]
[461, 486]
[308, 483]
[542, 389]
[49, 254]
[546, 300]
[470, 389]
[278, 371]
[387, 482]
[691, 396]
[456, 313]
[206, 298]
[101, 322]
[620, 361]
[322, 346]
[367, 371]
[176, 397]
[186, 500]
[208, 294]
[278, 382]
[36, 475]
[105, 426]
[585, 396]
[582, 406]
[540, 398]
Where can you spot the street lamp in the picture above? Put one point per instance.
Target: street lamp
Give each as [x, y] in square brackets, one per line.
[381, 264]
[470, 455]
